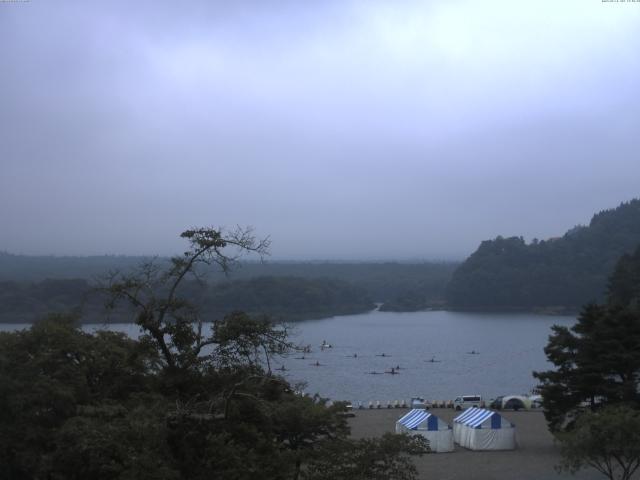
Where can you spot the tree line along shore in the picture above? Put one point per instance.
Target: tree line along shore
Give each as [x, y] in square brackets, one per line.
[553, 276]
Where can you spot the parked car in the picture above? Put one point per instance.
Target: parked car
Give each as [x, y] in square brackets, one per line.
[419, 402]
[466, 401]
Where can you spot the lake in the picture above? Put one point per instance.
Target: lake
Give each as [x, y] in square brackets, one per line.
[509, 347]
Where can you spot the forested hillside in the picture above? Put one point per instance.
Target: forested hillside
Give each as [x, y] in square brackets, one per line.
[401, 286]
[555, 274]
[288, 298]
[282, 298]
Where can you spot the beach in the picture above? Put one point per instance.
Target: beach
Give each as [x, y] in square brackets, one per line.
[534, 458]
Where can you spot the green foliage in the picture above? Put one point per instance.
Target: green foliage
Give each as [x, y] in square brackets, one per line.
[382, 458]
[24, 302]
[241, 340]
[607, 440]
[48, 376]
[287, 298]
[77, 405]
[411, 301]
[597, 360]
[555, 274]
[180, 403]
[624, 284]
[111, 442]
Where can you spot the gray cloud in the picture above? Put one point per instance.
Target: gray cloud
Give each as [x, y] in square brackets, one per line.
[342, 129]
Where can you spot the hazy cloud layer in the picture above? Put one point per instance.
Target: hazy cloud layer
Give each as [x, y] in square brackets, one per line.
[346, 129]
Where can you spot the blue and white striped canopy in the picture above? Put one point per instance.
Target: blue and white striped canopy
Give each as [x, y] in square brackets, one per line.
[466, 414]
[475, 417]
[415, 417]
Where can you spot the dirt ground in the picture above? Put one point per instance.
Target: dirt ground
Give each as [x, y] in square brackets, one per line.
[534, 458]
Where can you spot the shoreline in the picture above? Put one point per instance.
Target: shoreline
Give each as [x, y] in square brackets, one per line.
[91, 320]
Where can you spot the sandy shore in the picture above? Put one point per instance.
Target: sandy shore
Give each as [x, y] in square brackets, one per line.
[534, 458]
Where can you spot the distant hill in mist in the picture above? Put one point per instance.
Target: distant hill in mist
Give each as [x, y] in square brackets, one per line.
[384, 281]
[35, 268]
[556, 274]
[33, 286]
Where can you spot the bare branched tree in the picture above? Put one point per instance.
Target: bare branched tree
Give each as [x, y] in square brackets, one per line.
[172, 324]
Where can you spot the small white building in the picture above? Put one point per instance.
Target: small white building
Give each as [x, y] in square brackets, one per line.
[421, 422]
[480, 429]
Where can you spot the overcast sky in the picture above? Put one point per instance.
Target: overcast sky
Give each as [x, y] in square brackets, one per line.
[348, 129]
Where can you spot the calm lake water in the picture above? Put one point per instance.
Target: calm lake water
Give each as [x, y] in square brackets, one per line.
[510, 347]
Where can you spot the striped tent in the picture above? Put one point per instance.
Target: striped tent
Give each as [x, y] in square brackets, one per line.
[459, 421]
[421, 422]
[480, 429]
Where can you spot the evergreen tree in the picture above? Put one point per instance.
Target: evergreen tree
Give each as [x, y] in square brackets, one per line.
[598, 359]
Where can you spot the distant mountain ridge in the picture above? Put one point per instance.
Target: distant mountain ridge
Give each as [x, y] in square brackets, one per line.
[559, 274]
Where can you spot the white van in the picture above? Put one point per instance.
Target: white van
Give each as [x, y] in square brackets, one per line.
[466, 401]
